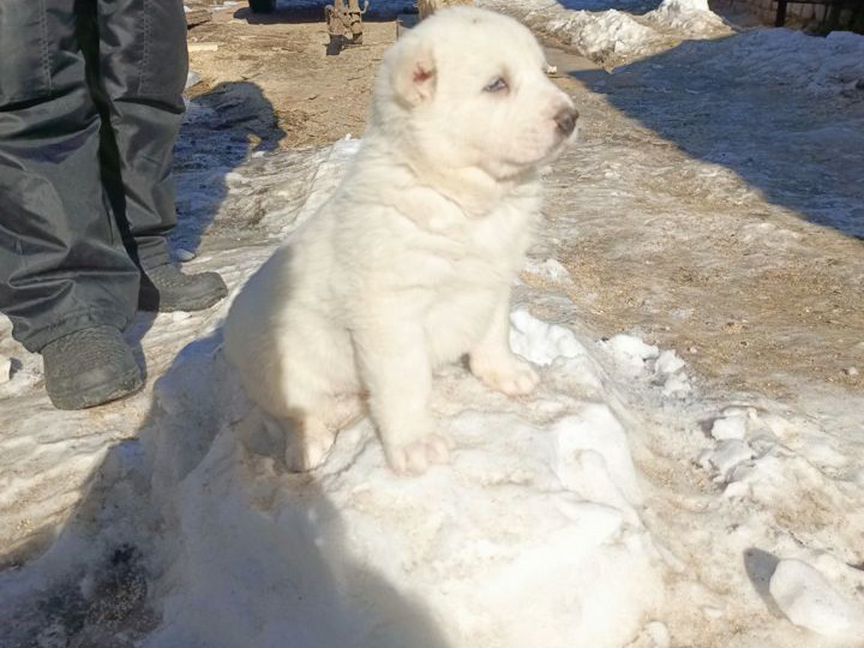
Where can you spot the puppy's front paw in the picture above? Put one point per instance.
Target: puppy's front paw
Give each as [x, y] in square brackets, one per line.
[512, 377]
[415, 458]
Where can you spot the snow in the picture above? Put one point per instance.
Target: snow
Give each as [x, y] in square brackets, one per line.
[659, 634]
[530, 537]
[669, 362]
[732, 426]
[691, 17]
[627, 502]
[810, 601]
[558, 343]
[611, 36]
[631, 352]
[549, 269]
[822, 66]
[5, 369]
[535, 535]
[725, 457]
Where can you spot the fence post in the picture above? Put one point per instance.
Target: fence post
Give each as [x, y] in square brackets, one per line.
[781, 13]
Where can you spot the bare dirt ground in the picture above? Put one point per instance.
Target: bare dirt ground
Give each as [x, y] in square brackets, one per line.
[317, 99]
[729, 272]
[786, 304]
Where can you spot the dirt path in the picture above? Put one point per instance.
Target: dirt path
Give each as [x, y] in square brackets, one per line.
[317, 99]
[705, 230]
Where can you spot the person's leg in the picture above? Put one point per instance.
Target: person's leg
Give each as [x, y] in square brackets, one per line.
[143, 65]
[63, 268]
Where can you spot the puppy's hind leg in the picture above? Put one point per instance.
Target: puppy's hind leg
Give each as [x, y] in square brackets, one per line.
[302, 442]
[313, 432]
[308, 443]
[494, 363]
[306, 398]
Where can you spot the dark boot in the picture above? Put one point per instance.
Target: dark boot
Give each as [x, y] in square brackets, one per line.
[89, 367]
[165, 288]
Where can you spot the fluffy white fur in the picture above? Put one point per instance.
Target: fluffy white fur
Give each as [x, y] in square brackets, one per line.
[409, 265]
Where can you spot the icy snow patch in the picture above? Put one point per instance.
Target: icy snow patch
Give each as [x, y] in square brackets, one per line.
[630, 352]
[550, 269]
[809, 600]
[823, 66]
[540, 342]
[733, 426]
[614, 37]
[5, 369]
[727, 456]
[688, 16]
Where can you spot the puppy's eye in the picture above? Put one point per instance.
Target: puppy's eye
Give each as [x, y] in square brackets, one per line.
[498, 85]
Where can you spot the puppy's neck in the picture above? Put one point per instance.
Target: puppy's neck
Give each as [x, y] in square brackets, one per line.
[472, 188]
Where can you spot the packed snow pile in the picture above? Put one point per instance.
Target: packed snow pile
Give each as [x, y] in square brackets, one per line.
[532, 536]
[811, 601]
[689, 17]
[606, 37]
[611, 36]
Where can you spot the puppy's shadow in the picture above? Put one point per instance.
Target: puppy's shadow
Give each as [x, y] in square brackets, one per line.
[247, 554]
[265, 438]
[299, 544]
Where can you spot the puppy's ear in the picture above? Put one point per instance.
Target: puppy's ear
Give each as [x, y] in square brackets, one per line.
[414, 76]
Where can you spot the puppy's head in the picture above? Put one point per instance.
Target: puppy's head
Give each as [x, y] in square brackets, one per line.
[468, 88]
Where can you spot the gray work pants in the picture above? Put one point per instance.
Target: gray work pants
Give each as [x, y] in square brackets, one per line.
[90, 106]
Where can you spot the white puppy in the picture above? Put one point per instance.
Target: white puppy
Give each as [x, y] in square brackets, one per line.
[409, 265]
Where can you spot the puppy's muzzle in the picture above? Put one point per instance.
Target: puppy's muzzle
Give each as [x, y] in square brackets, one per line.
[566, 120]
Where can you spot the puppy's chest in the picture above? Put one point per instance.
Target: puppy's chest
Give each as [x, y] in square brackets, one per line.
[494, 243]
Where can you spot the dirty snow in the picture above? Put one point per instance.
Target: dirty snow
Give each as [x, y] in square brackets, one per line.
[830, 65]
[614, 33]
[626, 502]
[542, 497]
[810, 601]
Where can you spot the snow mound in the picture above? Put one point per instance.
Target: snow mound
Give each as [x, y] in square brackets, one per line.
[809, 600]
[607, 36]
[611, 37]
[686, 16]
[635, 358]
[542, 343]
[531, 537]
[684, 6]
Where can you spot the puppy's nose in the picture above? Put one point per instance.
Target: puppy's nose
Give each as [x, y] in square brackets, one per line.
[566, 120]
